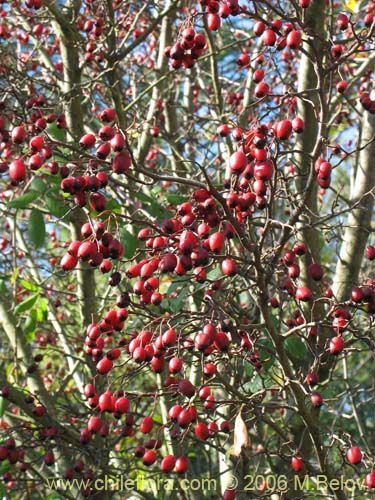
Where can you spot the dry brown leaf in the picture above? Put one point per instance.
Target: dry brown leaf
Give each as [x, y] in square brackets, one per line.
[241, 436]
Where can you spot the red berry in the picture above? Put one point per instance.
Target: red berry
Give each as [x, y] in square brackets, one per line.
[216, 242]
[213, 22]
[188, 34]
[259, 28]
[316, 272]
[289, 257]
[269, 37]
[87, 141]
[105, 402]
[97, 202]
[341, 86]
[175, 411]
[122, 405]
[258, 75]
[89, 390]
[146, 425]
[342, 22]
[354, 455]
[18, 135]
[149, 457]
[68, 262]
[169, 338]
[299, 248]
[312, 378]
[201, 431]
[181, 465]
[261, 90]
[229, 495]
[107, 115]
[238, 162]
[264, 170]
[87, 250]
[370, 252]
[49, 458]
[223, 130]
[356, 294]
[104, 366]
[316, 400]
[336, 345]
[36, 143]
[17, 171]
[199, 41]
[186, 388]
[107, 133]
[297, 463]
[283, 129]
[184, 419]
[121, 162]
[94, 424]
[229, 267]
[304, 294]
[175, 365]
[168, 463]
[293, 40]
[370, 480]
[298, 125]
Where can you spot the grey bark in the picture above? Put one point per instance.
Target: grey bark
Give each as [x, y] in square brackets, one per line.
[359, 220]
[310, 109]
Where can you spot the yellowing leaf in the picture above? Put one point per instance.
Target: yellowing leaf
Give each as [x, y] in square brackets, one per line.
[352, 6]
[241, 436]
[133, 133]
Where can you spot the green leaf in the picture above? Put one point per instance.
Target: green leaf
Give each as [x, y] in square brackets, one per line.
[26, 304]
[158, 211]
[178, 283]
[266, 351]
[56, 207]
[2, 488]
[166, 304]
[38, 185]
[156, 190]
[4, 467]
[30, 327]
[42, 310]
[61, 155]
[14, 276]
[254, 385]
[37, 228]
[177, 302]
[29, 286]
[3, 403]
[249, 369]
[113, 205]
[198, 297]
[275, 321]
[157, 419]
[129, 242]
[175, 199]
[55, 132]
[214, 274]
[295, 347]
[53, 184]
[152, 206]
[24, 200]
[143, 197]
